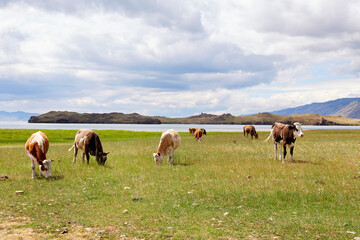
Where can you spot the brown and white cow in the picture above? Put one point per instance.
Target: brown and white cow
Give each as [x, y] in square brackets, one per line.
[203, 131]
[192, 131]
[36, 147]
[249, 129]
[170, 140]
[285, 135]
[89, 142]
[198, 135]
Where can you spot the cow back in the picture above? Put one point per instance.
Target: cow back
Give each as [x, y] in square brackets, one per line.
[198, 133]
[80, 138]
[192, 130]
[170, 138]
[249, 129]
[166, 141]
[175, 138]
[37, 145]
[283, 132]
[92, 143]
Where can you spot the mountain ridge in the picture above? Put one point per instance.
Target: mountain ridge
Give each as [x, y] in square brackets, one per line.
[346, 107]
[204, 118]
[74, 117]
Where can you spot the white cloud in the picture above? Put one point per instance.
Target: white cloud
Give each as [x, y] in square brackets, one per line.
[166, 58]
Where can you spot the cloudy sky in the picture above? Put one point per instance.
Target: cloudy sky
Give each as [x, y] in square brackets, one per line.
[177, 58]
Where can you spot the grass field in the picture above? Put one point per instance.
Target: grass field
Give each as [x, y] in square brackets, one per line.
[226, 187]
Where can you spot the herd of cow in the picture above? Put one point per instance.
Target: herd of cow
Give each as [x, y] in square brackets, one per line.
[89, 142]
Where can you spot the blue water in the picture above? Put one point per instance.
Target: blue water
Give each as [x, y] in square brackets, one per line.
[154, 127]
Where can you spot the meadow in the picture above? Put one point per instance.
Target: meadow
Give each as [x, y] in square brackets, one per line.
[227, 187]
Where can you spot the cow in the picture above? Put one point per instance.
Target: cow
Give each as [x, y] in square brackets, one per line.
[285, 135]
[170, 140]
[89, 142]
[198, 135]
[192, 131]
[36, 147]
[250, 129]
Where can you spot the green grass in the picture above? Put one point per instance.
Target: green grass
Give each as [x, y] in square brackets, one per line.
[318, 196]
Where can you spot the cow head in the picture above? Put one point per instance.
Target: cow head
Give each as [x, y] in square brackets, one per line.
[256, 136]
[297, 130]
[45, 168]
[158, 158]
[102, 157]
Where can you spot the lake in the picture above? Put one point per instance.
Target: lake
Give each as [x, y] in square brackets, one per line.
[154, 127]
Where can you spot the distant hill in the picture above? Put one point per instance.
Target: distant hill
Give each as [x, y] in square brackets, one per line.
[15, 116]
[346, 107]
[73, 117]
[262, 119]
[204, 118]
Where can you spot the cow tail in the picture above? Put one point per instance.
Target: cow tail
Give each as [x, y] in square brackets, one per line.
[71, 147]
[269, 136]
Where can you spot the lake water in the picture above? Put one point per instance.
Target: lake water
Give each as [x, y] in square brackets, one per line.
[155, 127]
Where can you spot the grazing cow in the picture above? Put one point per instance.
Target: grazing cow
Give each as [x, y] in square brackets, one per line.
[198, 135]
[285, 134]
[203, 130]
[36, 147]
[89, 142]
[250, 129]
[169, 142]
[192, 131]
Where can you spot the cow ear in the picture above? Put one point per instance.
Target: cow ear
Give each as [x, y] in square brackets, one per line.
[158, 154]
[106, 153]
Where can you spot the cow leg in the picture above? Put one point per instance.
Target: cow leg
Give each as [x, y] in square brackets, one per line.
[75, 154]
[275, 146]
[83, 156]
[171, 157]
[280, 154]
[251, 136]
[33, 167]
[291, 154]
[284, 154]
[87, 157]
[98, 158]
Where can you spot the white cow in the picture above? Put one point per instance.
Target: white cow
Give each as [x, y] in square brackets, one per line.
[169, 142]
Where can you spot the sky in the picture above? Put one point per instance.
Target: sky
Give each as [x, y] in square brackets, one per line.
[177, 58]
